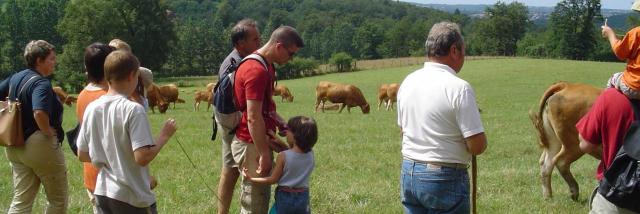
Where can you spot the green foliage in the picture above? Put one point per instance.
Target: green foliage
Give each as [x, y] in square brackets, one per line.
[297, 67]
[500, 32]
[342, 61]
[144, 25]
[22, 21]
[572, 24]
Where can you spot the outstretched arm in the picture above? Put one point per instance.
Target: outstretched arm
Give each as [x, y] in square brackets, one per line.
[275, 174]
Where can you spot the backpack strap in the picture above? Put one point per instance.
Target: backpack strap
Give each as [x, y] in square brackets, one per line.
[631, 142]
[16, 96]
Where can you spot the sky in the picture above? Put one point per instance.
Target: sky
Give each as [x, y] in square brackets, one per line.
[608, 4]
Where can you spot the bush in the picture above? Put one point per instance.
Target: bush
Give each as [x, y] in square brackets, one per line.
[342, 61]
[297, 67]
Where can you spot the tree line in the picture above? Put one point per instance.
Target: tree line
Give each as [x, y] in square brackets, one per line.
[191, 37]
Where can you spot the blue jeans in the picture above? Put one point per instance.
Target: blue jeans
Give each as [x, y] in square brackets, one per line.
[426, 188]
[291, 202]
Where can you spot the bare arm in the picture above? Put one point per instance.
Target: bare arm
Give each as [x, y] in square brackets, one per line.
[608, 33]
[586, 146]
[476, 144]
[275, 174]
[258, 132]
[144, 155]
[42, 120]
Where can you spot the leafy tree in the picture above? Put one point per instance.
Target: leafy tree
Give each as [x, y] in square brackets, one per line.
[367, 39]
[342, 61]
[25, 20]
[499, 33]
[297, 67]
[573, 31]
[142, 24]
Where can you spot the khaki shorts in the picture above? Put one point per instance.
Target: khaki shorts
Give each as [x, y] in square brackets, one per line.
[227, 123]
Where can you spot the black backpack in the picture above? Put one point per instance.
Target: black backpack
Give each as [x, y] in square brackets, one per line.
[621, 182]
[223, 98]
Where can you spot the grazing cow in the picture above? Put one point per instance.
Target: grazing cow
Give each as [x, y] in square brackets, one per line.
[210, 86]
[155, 99]
[200, 96]
[560, 108]
[283, 92]
[382, 95]
[170, 94]
[392, 95]
[63, 96]
[348, 95]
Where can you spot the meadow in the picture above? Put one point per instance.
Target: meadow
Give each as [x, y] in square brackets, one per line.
[358, 156]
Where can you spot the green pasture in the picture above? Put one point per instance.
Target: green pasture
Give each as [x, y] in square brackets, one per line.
[358, 156]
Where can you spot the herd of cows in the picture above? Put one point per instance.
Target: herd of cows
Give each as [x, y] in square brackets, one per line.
[340, 96]
[559, 109]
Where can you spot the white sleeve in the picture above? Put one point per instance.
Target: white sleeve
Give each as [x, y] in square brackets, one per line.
[467, 113]
[139, 129]
[83, 142]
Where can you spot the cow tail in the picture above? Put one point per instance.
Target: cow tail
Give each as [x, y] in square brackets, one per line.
[536, 117]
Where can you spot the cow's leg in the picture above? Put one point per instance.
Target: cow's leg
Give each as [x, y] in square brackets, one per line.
[195, 106]
[547, 159]
[317, 104]
[388, 104]
[379, 103]
[563, 162]
[342, 105]
[349, 109]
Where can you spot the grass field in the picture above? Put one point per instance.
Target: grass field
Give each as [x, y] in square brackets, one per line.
[358, 156]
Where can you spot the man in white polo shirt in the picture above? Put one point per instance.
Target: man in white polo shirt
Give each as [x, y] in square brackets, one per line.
[441, 128]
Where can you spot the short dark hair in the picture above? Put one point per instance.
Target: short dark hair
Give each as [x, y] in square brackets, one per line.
[94, 57]
[37, 49]
[119, 64]
[287, 35]
[305, 132]
[241, 30]
[441, 36]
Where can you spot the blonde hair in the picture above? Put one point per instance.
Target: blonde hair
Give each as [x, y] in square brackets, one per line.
[119, 65]
[119, 45]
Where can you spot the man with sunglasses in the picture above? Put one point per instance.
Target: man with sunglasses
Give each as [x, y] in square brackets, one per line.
[253, 90]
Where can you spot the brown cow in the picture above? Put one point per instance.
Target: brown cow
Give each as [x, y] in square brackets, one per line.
[170, 94]
[200, 96]
[560, 108]
[155, 99]
[283, 92]
[382, 95]
[348, 95]
[392, 95]
[63, 96]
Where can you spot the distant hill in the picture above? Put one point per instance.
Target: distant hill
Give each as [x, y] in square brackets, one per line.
[539, 15]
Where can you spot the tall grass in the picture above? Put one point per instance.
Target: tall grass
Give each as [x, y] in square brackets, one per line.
[358, 156]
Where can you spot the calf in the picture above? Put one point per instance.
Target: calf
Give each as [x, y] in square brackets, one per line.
[283, 92]
[382, 95]
[348, 95]
[63, 96]
[560, 108]
[392, 95]
[202, 96]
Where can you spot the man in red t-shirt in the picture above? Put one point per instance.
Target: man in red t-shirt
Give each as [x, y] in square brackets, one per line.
[605, 125]
[253, 90]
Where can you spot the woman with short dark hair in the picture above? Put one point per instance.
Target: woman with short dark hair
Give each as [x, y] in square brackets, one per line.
[40, 160]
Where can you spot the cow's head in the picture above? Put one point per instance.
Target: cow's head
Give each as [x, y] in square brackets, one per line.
[365, 108]
[163, 106]
[289, 98]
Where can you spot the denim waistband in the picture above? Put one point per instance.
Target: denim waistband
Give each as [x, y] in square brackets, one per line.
[434, 164]
[291, 189]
